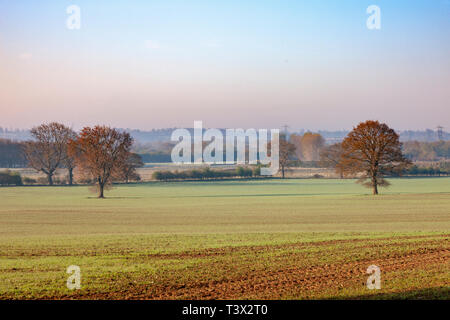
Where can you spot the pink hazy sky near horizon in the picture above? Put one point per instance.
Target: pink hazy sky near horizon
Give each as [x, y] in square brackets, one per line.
[229, 64]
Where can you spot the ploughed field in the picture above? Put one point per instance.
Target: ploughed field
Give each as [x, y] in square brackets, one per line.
[256, 239]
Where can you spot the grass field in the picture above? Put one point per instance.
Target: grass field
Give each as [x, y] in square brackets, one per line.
[265, 239]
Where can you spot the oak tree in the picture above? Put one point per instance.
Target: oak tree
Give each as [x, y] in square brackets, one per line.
[372, 150]
[100, 152]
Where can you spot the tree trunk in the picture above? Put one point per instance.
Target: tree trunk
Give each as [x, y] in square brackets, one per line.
[70, 176]
[282, 172]
[50, 179]
[101, 188]
[375, 181]
[375, 186]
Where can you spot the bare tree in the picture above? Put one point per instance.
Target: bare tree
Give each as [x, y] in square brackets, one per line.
[330, 157]
[48, 150]
[68, 162]
[100, 152]
[286, 151]
[127, 171]
[373, 150]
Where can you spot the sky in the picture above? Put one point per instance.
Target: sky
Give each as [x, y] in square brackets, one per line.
[229, 63]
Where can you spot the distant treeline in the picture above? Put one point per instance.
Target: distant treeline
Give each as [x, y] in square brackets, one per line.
[207, 173]
[308, 148]
[156, 157]
[15, 134]
[426, 151]
[8, 178]
[442, 169]
[11, 154]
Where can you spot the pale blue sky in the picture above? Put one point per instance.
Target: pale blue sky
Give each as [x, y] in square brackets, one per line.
[146, 64]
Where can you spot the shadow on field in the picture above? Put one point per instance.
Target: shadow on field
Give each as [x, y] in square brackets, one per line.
[113, 198]
[440, 293]
[255, 195]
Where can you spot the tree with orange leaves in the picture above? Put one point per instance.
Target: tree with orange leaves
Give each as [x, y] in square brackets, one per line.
[100, 153]
[373, 150]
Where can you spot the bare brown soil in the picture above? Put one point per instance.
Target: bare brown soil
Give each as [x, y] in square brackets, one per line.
[275, 284]
[286, 280]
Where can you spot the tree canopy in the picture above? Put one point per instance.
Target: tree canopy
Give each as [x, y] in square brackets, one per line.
[372, 150]
[100, 153]
[49, 148]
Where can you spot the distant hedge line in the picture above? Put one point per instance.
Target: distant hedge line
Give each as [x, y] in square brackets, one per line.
[206, 173]
[428, 171]
[9, 178]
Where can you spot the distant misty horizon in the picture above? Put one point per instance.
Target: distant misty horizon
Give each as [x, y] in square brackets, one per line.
[291, 129]
[164, 134]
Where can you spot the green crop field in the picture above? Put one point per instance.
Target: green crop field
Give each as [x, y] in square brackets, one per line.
[266, 239]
